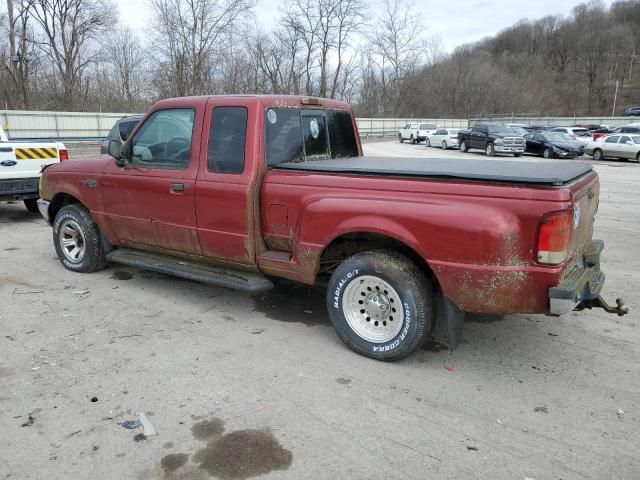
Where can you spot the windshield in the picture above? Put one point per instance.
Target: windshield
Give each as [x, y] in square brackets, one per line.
[581, 132]
[427, 126]
[520, 130]
[304, 135]
[636, 140]
[557, 137]
[500, 129]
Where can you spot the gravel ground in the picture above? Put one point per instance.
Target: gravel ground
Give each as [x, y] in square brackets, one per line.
[239, 386]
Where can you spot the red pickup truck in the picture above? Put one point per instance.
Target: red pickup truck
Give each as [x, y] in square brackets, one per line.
[237, 190]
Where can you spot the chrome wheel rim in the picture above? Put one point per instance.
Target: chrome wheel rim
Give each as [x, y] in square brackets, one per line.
[373, 309]
[489, 150]
[72, 241]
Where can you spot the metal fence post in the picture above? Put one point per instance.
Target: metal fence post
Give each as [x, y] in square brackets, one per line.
[55, 119]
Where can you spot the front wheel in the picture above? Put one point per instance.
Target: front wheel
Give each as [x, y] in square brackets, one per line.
[463, 147]
[490, 150]
[77, 240]
[427, 142]
[381, 304]
[547, 153]
[400, 139]
[638, 157]
[411, 140]
[444, 145]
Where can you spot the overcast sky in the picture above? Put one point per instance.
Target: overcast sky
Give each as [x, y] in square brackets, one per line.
[455, 22]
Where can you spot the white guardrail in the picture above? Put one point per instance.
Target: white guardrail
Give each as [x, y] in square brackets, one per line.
[87, 126]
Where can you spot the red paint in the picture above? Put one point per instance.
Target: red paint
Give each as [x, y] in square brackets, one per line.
[479, 239]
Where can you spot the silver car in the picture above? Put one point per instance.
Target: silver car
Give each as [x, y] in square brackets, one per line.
[444, 138]
[616, 146]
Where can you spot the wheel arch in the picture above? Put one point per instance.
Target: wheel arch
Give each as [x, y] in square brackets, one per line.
[60, 200]
[346, 244]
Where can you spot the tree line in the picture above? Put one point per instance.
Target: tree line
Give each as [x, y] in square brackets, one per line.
[77, 55]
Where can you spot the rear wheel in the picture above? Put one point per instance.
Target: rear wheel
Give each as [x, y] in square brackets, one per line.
[597, 154]
[381, 304]
[463, 146]
[547, 153]
[427, 142]
[444, 145]
[400, 138]
[31, 204]
[638, 157]
[77, 240]
[411, 139]
[490, 150]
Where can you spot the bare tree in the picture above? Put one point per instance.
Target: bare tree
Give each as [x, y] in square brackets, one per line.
[129, 59]
[71, 28]
[21, 50]
[189, 35]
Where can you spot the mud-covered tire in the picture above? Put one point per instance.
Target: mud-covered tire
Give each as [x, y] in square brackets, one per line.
[75, 217]
[352, 289]
[31, 204]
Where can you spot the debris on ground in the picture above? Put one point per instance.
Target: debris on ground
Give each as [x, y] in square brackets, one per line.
[94, 399]
[499, 422]
[449, 367]
[541, 410]
[131, 424]
[472, 448]
[147, 426]
[620, 413]
[81, 292]
[257, 331]
[139, 437]
[29, 422]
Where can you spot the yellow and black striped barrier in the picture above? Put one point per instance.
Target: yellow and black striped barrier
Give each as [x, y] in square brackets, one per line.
[34, 153]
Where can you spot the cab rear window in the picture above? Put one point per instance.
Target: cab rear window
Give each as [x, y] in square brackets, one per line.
[304, 135]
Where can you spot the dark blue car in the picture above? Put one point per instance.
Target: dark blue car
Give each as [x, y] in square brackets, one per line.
[553, 145]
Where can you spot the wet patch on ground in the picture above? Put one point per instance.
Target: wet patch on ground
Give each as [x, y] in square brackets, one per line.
[243, 454]
[11, 249]
[483, 318]
[236, 455]
[122, 275]
[206, 429]
[289, 302]
[343, 381]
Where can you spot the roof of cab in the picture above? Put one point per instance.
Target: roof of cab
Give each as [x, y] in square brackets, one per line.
[266, 100]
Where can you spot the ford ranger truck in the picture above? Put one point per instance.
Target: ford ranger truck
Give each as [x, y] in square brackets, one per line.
[20, 166]
[237, 191]
[492, 138]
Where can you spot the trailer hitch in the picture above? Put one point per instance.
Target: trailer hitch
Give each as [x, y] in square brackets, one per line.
[620, 309]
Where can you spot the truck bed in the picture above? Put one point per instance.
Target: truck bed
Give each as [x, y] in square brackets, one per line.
[510, 171]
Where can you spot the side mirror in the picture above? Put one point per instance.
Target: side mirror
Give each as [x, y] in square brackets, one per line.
[115, 149]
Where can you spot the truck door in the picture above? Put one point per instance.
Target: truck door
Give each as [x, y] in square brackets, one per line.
[151, 201]
[478, 137]
[226, 185]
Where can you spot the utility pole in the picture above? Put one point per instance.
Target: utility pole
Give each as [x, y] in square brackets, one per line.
[615, 98]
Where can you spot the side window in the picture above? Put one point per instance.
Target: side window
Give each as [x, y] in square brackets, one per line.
[227, 138]
[342, 136]
[613, 139]
[126, 128]
[538, 138]
[625, 139]
[164, 140]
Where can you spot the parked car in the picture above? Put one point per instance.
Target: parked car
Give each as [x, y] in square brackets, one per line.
[492, 138]
[444, 138]
[632, 111]
[416, 132]
[631, 128]
[601, 132]
[578, 133]
[538, 128]
[120, 131]
[625, 147]
[20, 166]
[243, 189]
[553, 144]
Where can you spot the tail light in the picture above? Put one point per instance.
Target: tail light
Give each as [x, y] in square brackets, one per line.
[453, 138]
[63, 154]
[554, 237]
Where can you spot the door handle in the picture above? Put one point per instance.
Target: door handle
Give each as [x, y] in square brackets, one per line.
[176, 187]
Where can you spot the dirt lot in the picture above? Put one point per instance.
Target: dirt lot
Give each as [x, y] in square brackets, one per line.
[238, 386]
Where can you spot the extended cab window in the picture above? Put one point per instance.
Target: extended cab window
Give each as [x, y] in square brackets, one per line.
[299, 135]
[227, 138]
[126, 128]
[164, 140]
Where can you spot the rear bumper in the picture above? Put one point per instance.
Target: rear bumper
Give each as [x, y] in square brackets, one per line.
[581, 284]
[19, 188]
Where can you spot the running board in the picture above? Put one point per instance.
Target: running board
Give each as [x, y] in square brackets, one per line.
[178, 267]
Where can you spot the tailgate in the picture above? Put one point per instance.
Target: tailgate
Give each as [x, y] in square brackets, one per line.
[585, 196]
[25, 160]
